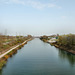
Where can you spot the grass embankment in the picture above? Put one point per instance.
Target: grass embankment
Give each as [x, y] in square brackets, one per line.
[3, 60]
[19, 40]
[7, 42]
[64, 42]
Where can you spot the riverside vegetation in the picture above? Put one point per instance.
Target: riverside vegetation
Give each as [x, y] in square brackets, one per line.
[64, 42]
[8, 42]
[44, 38]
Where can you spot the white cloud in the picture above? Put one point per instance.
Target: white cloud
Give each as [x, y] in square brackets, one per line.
[35, 4]
[18, 2]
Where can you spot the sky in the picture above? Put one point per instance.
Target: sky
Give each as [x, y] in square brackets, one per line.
[37, 17]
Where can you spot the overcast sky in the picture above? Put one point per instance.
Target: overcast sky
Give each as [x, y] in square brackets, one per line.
[37, 17]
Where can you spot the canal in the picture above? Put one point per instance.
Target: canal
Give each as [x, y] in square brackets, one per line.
[39, 58]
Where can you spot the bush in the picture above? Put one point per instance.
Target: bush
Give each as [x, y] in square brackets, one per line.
[67, 40]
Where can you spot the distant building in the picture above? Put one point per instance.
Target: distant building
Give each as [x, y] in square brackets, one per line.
[53, 40]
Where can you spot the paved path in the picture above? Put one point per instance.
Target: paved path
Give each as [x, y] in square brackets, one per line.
[13, 48]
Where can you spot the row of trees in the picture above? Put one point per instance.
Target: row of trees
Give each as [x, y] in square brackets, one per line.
[67, 40]
[44, 38]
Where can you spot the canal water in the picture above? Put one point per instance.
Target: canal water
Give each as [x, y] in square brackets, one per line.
[39, 58]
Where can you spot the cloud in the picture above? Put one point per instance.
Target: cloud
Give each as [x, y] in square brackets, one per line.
[18, 1]
[36, 4]
[32, 3]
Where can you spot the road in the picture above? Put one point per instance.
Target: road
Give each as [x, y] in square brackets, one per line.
[2, 55]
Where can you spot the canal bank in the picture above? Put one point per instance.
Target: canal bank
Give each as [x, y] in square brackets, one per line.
[54, 42]
[63, 48]
[9, 53]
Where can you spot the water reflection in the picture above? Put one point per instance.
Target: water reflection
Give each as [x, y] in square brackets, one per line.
[0, 72]
[65, 55]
